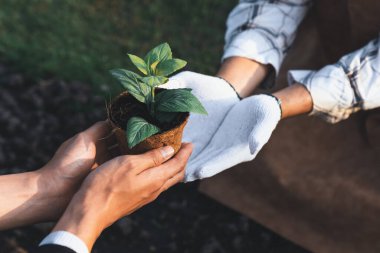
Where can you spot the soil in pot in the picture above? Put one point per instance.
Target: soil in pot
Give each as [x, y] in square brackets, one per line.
[125, 106]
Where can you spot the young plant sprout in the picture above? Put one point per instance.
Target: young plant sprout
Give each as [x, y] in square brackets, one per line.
[162, 105]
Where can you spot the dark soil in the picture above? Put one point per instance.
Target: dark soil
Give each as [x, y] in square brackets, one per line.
[36, 117]
[125, 106]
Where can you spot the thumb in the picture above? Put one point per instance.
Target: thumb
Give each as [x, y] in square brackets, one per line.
[267, 114]
[260, 134]
[152, 158]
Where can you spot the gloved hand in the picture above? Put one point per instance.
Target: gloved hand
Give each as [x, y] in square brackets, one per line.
[244, 131]
[216, 95]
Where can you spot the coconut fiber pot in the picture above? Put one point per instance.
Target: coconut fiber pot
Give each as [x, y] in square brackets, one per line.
[125, 106]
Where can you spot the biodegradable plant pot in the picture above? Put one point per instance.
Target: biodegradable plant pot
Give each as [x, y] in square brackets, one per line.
[125, 106]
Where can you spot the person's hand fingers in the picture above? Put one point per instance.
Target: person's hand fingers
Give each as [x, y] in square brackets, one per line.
[109, 141]
[168, 183]
[150, 159]
[172, 181]
[105, 155]
[98, 130]
[171, 168]
[82, 146]
[106, 149]
[101, 136]
[89, 138]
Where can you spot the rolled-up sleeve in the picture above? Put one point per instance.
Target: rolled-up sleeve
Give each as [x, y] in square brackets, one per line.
[352, 84]
[263, 30]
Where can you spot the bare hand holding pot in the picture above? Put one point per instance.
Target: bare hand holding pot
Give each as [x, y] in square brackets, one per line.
[42, 195]
[118, 188]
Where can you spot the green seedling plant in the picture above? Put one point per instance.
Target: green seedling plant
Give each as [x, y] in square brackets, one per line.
[163, 106]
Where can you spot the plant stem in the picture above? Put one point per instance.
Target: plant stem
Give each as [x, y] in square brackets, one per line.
[150, 104]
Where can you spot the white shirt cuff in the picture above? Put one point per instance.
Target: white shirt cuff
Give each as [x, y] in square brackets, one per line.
[67, 240]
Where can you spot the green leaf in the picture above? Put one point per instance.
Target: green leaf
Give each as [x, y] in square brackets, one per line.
[159, 53]
[139, 63]
[154, 81]
[123, 74]
[178, 100]
[144, 90]
[133, 83]
[169, 66]
[138, 129]
[153, 66]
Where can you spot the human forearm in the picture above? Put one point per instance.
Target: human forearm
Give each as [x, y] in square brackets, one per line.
[26, 198]
[243, 74]
[295, 100]
[82, 221]
[43, 195]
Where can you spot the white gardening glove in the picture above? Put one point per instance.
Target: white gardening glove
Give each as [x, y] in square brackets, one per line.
[216, 95]
[244, 131]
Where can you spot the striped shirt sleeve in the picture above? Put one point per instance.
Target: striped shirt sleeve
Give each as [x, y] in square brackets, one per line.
[263, 30]
[350, 85]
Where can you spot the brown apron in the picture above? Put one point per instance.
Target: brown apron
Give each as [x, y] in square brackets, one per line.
[314, 183]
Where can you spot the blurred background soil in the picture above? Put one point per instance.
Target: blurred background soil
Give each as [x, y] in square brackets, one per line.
[54, 82]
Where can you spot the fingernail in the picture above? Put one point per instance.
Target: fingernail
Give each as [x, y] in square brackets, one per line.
[167, 151]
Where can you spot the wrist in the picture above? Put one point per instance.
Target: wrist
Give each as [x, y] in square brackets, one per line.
[279, 103]
[42, 196]
[82, 220]
[53, 188]
[295, 100]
